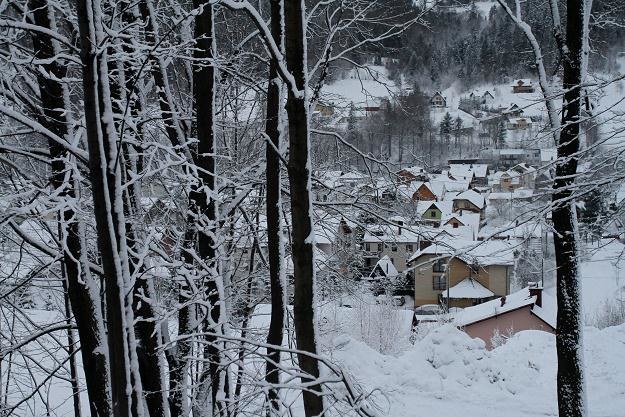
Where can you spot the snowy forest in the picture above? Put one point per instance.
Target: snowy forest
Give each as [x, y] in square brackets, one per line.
[312, 208]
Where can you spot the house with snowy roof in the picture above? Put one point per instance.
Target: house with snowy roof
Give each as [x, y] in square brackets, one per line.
[484, 97]
[471, 201]
[410, 174]
[384, 268]
[468, 271]
[438, 101]
[395, 240]
[522, 86]
[527, 309]
[476, 173]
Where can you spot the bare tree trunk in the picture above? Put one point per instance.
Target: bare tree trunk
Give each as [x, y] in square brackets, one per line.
[301, 211]
[105, 173]
[202, 199]
[571, 397]
[274, 230]
[80, 286]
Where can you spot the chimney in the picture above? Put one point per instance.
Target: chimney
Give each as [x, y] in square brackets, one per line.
[503, 300]
[536, 290]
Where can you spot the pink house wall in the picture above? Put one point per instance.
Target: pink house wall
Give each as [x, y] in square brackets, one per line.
[508, 323]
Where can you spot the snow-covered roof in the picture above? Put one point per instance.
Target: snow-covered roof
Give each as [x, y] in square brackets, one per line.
[518, 194]
[468, 219]
[461, 171]
[483, 253]
[386, 233]
[386, 266]
[443, 180]
[445, 207]
[468, 288]
[522, 81]
[473, 197]
[523, 230]
[514, 301]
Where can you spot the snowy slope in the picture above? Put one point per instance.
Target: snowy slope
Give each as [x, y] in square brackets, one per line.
[449, 374]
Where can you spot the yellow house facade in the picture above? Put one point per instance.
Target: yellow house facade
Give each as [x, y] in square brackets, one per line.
[433, 272]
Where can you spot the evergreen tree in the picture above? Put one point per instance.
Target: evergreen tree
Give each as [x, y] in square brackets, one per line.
[446, 124]
[501, 135]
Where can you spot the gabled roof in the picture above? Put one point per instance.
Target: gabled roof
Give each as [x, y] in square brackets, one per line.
[468, 288]
[483, 253]
[473, 197]
[386, 267]
[522, 81]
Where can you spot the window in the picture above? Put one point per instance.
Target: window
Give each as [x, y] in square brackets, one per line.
[432, 213]
[394, 248]
[379, 247]
[409, 248]
[439, 283]
[439, 266]
[455, 225]
[368, 247]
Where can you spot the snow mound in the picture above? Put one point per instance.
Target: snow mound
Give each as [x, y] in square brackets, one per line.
[448, 373]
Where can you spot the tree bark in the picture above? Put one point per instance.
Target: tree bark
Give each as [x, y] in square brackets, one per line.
[301, 212]
[274, 230]
[83, 298]
[570, 381]
[105, 175]
[202, 198]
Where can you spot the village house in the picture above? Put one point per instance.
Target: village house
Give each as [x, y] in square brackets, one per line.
[433, 212]
[438, 101]
[527, 309]
[410, 174]
[512, 110]
[472, 201]
[482, 97]
[522, 86]
[477, 174]
[396, 241]
[449, 262]
[424, 192]
[518, 123]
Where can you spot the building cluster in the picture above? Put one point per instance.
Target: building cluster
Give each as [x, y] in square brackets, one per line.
[440, 246]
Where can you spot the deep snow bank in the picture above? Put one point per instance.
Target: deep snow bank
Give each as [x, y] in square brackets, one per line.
[448, 373]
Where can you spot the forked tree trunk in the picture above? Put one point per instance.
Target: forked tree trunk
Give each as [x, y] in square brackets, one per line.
[571, 397]
[85, 303]
[105, 175]
[274, 231]
[301, 212]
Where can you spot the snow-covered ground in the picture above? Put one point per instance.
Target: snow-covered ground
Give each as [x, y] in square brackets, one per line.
[449, 374]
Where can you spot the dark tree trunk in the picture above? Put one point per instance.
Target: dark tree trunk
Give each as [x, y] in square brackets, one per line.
[569, 325]
[106, 189]
[84, 301]
[202, 203]
[301, 212]
[274, 232]
[147, 334]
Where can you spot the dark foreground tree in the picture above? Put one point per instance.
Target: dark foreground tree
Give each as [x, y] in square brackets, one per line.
[301, 212]
[571, 396]
[274, 231]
